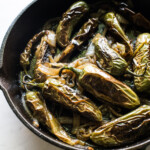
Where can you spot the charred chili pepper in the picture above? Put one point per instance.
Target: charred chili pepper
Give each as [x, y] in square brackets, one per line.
[112, 22]
[69, 20]
[54, 90]
[24, 57]
[45, 117]
[49, 37]
[47, 40]
[104, 86]
[142, 59]
[125, 129]
[84, 33]
[109, 59]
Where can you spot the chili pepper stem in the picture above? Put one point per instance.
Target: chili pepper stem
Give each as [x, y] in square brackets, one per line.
[75, 70]
[40, 85]
[25, 70]
[140, 46]
[132, 73]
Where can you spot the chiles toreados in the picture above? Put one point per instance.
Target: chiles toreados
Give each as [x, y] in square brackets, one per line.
[87, 74]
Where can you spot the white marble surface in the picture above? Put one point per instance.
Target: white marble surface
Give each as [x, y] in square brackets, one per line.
[13, 134]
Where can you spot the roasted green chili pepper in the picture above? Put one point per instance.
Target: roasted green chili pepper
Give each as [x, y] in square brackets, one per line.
[125, 129]
[54, 90]
[41, 49]
[48, 39]
[109, 59]
[24, 57]
[70, 98]
[70, 18]
[112, 22]
[45, 117]
[84, 33]
[104, 86]
[142, 59]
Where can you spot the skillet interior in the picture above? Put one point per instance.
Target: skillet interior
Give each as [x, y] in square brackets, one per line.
[24, 27]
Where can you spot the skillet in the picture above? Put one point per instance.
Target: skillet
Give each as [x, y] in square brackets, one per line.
[29, 22]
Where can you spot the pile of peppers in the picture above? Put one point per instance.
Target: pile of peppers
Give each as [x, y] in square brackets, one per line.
[85, 75]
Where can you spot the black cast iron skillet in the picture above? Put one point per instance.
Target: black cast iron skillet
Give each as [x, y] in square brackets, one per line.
[22, 29]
